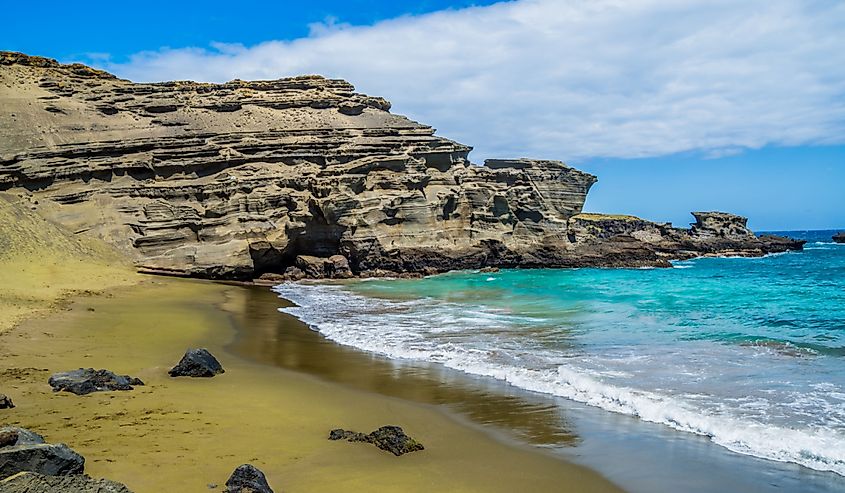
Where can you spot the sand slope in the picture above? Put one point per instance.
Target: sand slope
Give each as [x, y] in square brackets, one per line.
[42, 263]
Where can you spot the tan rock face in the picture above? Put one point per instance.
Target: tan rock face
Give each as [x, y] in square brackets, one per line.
[720, 225]
[238, 179]
[230, 179]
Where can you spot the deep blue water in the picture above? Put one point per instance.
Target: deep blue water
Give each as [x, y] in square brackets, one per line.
[747, 352]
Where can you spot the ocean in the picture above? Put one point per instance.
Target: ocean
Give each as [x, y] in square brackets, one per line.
[748, 353]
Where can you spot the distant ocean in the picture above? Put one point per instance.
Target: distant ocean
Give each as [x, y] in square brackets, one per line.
[747, 352]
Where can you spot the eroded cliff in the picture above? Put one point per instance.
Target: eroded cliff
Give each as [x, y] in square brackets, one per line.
[240, 179]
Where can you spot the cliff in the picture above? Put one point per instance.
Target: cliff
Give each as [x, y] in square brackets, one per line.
[240, 179]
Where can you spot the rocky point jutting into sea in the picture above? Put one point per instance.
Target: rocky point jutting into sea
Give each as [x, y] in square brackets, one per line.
[303, 176]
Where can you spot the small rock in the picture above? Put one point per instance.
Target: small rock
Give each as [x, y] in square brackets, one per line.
[350, 436]
[394, 440]
[351, 108]
[28, 482]
[839, 237]
[197, 363]
[248, 479]
[107, 110]
[5, 402]
[337, 266]
[294, 273]
[390, 438]
[489, 270]
[226, 107]
[313, 267]
[8, 438]
[29, 453]
[55, 109]
[87, 380]
[271, 278]
[161, 108]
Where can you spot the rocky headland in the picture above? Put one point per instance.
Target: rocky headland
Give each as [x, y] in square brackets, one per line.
[302, 177]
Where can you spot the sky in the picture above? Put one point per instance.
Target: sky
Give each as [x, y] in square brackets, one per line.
[675, 105]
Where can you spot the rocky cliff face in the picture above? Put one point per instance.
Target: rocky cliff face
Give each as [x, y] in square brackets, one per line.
[240, 179]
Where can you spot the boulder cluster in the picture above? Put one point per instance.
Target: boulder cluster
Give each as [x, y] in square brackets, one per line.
[28, 464]
[389, 438]
[87, 380]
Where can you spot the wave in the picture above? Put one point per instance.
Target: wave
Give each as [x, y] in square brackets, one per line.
[362, 322]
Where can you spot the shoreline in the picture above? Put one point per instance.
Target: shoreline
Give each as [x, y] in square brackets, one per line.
[193, 432]
[602, 434]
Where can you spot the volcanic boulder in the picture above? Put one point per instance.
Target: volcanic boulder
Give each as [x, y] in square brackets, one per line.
[87, 380]
[38, 483]
[197, 363]
[23, 450]
[6, 402]
[390, 438]
[248, 479]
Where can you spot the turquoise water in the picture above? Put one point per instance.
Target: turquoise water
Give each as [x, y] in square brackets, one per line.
[747, 352]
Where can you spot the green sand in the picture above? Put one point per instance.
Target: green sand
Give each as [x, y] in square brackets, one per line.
[182, 434]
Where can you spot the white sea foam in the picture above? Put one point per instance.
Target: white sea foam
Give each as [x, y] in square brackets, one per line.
[414, 330]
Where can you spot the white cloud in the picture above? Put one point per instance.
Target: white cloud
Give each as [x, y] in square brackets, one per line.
[574, 79]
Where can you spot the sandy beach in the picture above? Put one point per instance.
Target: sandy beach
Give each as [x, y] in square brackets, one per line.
[67, 303]
[184, 434]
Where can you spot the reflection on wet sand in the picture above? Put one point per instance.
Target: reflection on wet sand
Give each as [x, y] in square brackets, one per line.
[270, 337]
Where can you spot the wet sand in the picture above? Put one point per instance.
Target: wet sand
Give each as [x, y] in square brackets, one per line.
[182, 434]
[282, 340]
[642, 456]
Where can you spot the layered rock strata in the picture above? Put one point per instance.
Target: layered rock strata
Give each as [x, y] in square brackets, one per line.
[301, 175]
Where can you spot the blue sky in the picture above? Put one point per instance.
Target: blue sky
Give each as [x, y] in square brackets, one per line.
[675, 105]
[66, 30]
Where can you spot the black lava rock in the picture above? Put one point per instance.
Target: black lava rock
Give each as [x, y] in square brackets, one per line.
[197, 363]
[349, 436]
[390, 438]
[8, 438]
[39, 483]
[5, 402]
[87, 380]
[839, 237]
[26, 451]
[248, 479]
